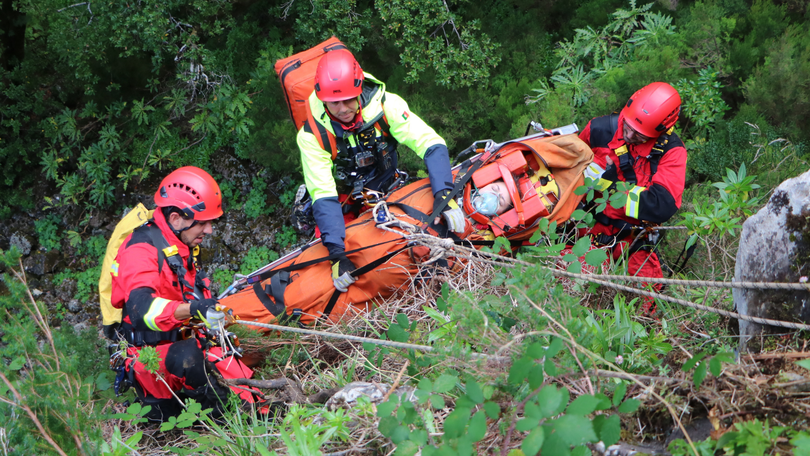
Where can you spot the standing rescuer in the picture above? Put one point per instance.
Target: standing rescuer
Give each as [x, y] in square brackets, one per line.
[638, 146]
[354, 125]
[157, 282]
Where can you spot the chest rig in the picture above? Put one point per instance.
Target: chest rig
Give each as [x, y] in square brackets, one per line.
[604, 128]
[365, 155]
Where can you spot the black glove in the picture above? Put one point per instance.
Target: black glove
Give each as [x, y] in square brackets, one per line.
[201, 307]
[610, 173]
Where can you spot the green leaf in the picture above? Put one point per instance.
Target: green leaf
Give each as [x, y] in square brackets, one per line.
[611, 430]
[455, 423]
[549, 367]
[406, 448]
[400, 434]
[549, 399]
[582, 246]
[387, 425]
[533, 442]
[595, 257]
[387, 408]
[402, 320]
[536, 376]
[629, 406]
[444, 383]
[574, 268]
[554, 347]
[581, 450]
[17, 364]
[102, 382]
[493, 410]
[618, 395]
[519, 370]
[687, 366]
[700, 374]
[574, 430]
[419, 436]
[474, 391]
[436, 401]
[425, 384]
[397, 334]
[478, 426]
[583, 405]
[535, 351]
[805, 363]
[715, 366]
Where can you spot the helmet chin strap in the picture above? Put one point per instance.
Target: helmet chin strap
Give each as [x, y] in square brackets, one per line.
[167, 211]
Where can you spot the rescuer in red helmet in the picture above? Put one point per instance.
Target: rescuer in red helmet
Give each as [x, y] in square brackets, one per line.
[157, 282]
[638, 146]
[355, 126]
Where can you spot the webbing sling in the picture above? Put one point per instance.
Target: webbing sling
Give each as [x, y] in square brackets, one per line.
[464, 174]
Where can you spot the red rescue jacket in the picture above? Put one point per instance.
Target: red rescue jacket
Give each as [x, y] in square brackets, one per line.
[659, 192]
[146, 287]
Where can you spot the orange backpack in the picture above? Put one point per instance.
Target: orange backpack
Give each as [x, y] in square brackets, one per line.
[297, 76]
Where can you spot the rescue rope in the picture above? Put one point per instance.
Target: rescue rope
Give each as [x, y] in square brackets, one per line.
[387, 343]
[446, 247]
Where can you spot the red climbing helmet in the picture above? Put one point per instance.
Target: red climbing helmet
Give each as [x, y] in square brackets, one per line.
[191, 190]
[338, 77]
[653, 109]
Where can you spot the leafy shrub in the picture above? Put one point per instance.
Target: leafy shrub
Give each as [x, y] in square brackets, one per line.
[257, 257]
[256, 203]
[47, 230]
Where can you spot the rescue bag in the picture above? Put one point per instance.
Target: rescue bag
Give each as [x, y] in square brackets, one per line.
[297, 76]
[133, 219]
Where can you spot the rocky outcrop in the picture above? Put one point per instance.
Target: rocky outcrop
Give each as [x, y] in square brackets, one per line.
[775, 247]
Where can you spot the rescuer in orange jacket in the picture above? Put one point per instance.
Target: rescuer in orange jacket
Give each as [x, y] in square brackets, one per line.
[638, 146]
[157, 282]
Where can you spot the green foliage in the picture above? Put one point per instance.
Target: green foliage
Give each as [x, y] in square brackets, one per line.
[256, 203]
[723, 217]
[286, 237]
[701, 101]
[778, 87]
[47, 230]
[753, 437]
[39, 358]
[257, 257]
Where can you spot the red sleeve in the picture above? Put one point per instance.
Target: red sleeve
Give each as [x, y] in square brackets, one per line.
[138, 287]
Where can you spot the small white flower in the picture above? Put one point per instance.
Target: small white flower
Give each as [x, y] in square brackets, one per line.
[803, 279]
[619, 359]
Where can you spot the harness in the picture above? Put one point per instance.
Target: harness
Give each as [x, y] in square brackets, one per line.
[374, 156]
[170, 255]
[604, 128]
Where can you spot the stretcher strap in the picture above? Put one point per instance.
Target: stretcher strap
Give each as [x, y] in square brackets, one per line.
[357, 273]
[294, 267]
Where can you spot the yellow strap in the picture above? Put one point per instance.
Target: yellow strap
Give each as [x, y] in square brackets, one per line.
[621, 151]
[170, 250]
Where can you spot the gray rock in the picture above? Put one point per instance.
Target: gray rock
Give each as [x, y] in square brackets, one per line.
[41, 263]
[21, 241]
[347, 397]
[775, 247]
[74, 305]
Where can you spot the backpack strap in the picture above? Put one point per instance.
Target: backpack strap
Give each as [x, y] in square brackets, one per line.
[171, 255]
[665, 142]
[325, 139]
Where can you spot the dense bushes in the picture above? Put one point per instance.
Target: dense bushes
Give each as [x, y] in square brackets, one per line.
[95, 99]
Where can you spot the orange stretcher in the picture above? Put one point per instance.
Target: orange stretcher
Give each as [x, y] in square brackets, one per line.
[541, 172]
